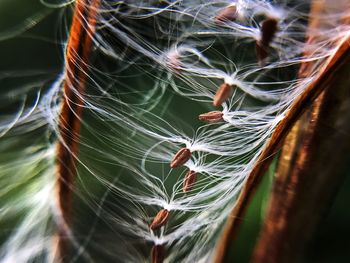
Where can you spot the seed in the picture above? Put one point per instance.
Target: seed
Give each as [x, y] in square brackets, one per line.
[268, 30]
[160, 219]
[158, 254]
[211, 117]
[222, 94]
[181, 157]
[228, 13]
[189, 181]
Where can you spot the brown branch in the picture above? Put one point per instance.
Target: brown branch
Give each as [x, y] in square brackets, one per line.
[328, 74]
[302, 193]
[310, 169]
[77, 60]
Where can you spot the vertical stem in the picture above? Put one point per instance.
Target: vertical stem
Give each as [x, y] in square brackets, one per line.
[77, 60]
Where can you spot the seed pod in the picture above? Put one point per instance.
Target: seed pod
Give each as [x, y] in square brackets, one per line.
[181, 157]
[228, 13]
[158, 254]
[160, 219]
[189, 181]
[268, 30]
[222, 94]
[211, 117]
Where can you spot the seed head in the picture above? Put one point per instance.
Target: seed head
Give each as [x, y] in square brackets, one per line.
[211, 117]
[268, 30]
[160, 219]
[222, 94]
[181, 157]
[189, 181]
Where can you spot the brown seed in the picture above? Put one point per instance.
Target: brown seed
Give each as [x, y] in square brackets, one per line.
[222, 94]
[228, 13]
[189, 181]
[160, 219]
[158, 254]
[181, 157]
[268, 31]
[211, 117]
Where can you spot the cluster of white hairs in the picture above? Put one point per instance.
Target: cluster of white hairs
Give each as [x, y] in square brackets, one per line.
[155, 66]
